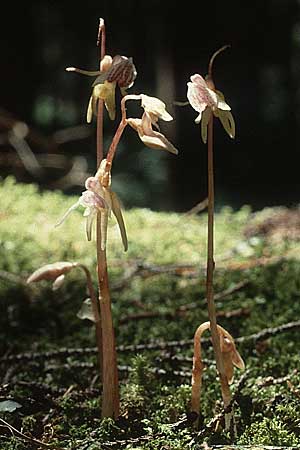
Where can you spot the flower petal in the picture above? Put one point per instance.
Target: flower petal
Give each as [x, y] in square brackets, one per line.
[155, 106]
[106, 92]
[67, 213]
[89, 113]
[237, 360]
[204, 124]
[89, 73]
[221, 101]
[89, 223]
[58, 282]
[116, 208]
[149, 137]
[199, 95]
[227, 121]
[51, 271]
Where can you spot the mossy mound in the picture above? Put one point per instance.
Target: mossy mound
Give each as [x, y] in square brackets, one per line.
[49, 362]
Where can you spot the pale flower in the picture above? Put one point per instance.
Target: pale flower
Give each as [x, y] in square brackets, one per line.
[230, 355]
[54, 272]
[154, 109]
[99, 200]
[207, 102]
[120, 71]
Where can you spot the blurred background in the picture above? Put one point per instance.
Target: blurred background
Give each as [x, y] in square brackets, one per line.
[43, 134]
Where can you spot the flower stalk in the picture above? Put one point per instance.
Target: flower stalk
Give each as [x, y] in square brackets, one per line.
[229, 357]
[226, 394]
[110, 392]
[56, 272]
[210, 103]
[99, 200]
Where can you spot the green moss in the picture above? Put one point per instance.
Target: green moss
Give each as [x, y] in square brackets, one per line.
[156, 393]
[269, 432]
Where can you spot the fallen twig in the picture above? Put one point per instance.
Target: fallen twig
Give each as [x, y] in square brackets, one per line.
[135, 348]
[24, 437]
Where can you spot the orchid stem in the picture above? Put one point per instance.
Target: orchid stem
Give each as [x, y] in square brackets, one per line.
[110, 393]
[197, 369]
[116, 139]
[210, 258]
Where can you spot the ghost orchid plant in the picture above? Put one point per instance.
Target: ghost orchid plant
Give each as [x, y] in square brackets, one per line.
[98, 200]
[210, 103]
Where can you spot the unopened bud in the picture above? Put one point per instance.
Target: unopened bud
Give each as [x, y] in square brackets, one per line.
[106, 63]
[51, 271]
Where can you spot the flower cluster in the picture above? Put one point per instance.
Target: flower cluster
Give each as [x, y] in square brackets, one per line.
[99, 200]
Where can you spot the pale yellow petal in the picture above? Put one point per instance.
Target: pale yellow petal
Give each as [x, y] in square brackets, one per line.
[116, 208]
[106, 92]
[227, 121]
[158, 141]
[89, 224]
[89, 113]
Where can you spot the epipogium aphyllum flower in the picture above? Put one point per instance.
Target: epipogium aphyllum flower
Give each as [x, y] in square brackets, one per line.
[207, 101]
[99, 200]
[154, 109]
[117, 71]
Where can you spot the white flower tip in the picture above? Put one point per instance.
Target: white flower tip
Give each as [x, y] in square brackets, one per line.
[166, 116]
[70, 69]
[58, 282]
[198, 118]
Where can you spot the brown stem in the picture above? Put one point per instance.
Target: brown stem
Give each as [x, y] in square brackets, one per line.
[197, 368]
[100, 42]
[212, 59]
[110, 394]
[116, 139]
[210, 260]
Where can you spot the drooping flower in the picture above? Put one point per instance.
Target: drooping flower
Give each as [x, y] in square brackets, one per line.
[154, 109]
[99, 200]
[120, 71]
[54, 272]
[230, 355]
[206, 102]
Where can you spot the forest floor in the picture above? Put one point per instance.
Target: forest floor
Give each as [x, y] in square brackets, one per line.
[50, 390]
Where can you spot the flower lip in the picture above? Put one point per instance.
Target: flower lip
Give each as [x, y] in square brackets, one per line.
[122, 71]
[91, 199]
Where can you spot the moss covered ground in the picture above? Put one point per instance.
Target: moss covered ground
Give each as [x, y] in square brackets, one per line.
[50, 388]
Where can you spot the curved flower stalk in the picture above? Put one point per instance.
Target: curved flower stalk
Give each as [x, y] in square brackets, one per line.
[56, 272]
[99, 200]
[230, 357]
[154, 109]
[118, 70]
[208, 102]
